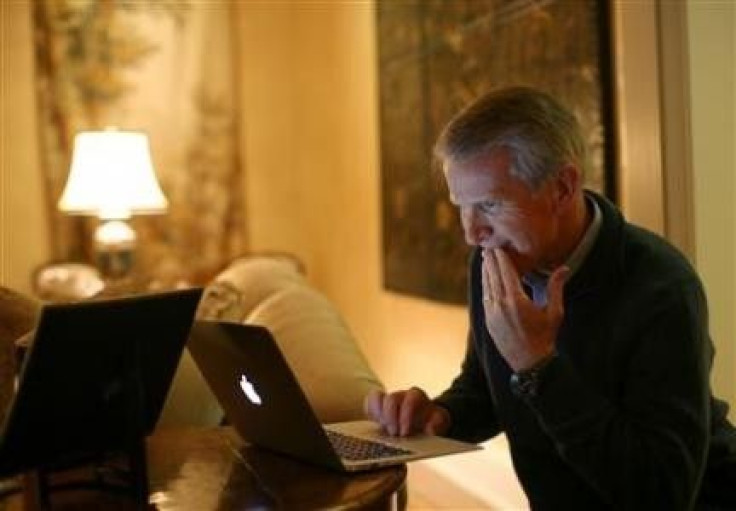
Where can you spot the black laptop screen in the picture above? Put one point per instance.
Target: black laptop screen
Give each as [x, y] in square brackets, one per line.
[95, 377]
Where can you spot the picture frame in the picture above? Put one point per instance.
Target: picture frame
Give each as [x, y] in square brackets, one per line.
[435, 57]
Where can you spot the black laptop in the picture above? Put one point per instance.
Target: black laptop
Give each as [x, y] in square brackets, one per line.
[262, 399]
[95, 375]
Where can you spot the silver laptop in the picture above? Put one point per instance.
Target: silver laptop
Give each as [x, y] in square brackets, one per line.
[263, 401]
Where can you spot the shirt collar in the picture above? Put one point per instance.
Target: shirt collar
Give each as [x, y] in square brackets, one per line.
[576, 258]
[537, 280]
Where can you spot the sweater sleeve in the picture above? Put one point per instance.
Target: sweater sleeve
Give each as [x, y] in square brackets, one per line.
[648, 449]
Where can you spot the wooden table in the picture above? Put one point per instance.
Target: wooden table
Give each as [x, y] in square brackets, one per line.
[212, 469]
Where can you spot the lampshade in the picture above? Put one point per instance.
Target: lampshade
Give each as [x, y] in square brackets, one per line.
[112, 176]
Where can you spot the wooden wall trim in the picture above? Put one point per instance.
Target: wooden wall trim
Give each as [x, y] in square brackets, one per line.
[677, 157]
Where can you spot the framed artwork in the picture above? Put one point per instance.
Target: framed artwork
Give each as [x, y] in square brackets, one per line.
[436, 56]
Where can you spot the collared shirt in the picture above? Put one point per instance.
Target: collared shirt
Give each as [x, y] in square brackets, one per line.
[537, 281]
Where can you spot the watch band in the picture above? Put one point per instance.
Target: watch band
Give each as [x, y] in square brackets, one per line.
[526, 384]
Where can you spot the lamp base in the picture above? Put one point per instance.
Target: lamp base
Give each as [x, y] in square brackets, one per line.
[115, 243]
[114, 264]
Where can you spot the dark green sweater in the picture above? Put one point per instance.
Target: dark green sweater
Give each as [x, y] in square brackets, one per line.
[624, 418]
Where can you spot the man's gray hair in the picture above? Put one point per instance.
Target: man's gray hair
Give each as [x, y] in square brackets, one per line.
[540, 134]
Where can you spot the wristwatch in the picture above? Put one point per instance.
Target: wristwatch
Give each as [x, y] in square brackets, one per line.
[526, 384]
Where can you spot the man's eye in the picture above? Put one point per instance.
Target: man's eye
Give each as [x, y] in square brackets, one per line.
[488, 207]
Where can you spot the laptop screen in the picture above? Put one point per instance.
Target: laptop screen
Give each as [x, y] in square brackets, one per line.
[94, 377]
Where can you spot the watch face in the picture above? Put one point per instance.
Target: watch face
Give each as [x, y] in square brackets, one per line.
[524, 385]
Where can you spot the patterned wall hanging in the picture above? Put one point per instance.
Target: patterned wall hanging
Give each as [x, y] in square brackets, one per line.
[436, 56]
[165, 67]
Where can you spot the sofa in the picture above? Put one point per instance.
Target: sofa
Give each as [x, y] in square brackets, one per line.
[267, 290]
[272, 291]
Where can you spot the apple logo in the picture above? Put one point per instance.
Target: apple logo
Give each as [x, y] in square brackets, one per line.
[249, 391]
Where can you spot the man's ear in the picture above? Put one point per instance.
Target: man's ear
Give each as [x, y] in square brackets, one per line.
[567, 184]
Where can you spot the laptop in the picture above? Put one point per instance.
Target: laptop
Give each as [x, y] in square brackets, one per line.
[94, 378]
[263, 401]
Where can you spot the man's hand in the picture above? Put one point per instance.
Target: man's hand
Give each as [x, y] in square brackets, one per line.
[406, 412]
[524, 333]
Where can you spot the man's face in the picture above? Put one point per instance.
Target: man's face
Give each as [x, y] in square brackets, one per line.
[499, 210]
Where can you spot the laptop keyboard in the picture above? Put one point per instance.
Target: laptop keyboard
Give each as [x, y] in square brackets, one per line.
[356, 449]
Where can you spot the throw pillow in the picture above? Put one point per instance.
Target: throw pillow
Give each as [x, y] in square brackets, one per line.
[245, 283]
[320, 349]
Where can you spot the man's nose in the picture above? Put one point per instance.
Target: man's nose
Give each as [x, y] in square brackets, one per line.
[477, 228]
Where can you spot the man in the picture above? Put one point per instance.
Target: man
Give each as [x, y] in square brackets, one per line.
[588, 342]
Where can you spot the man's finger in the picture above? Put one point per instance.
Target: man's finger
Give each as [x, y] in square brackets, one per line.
[413, 411]
[390, 413]
[485, 282]
[555, 290]
[507, 273]
[373, 405]
[494, 278]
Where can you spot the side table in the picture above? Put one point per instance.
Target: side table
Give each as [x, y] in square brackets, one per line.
[197, 469]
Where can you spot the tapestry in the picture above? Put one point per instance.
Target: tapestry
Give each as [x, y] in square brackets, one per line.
[164, 67]
[435, 57]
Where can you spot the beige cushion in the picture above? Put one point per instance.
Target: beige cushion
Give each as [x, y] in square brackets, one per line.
[247, 282]
[18, 315]
[190, 401]
[321, 351]
[234, 293]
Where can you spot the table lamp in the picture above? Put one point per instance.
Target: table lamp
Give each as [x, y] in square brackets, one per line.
[112, 177]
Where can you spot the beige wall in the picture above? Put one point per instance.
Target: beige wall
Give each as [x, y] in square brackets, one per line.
[713, 94]
[310, 115]
[23, 239]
